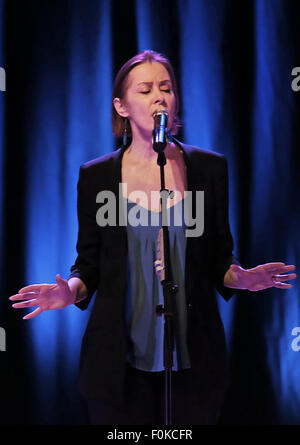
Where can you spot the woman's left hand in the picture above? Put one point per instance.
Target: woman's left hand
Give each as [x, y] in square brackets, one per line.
[260, 277]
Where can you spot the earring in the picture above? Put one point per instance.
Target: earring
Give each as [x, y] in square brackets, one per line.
[125, 132]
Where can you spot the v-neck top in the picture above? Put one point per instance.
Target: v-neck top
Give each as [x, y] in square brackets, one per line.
[145, 291]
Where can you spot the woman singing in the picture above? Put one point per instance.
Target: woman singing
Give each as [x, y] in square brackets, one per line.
[121, 366]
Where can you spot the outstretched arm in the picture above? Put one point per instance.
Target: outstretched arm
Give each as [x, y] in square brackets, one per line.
[47, 297]
[260, 277]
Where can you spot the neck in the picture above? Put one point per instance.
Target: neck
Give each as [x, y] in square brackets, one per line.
[141, 149]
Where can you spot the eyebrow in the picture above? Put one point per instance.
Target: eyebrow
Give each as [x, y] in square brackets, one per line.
[150, 83]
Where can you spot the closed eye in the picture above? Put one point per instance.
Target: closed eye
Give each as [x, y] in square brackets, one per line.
[147, 92]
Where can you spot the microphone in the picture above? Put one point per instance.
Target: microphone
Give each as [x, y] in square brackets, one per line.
[160, 128]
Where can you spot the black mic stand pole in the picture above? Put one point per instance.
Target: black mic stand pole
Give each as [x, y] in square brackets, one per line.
[169, 288]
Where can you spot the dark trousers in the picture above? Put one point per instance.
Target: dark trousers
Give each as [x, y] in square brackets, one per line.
[144, 402]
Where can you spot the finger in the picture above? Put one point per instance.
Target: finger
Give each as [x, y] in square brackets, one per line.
[31, 288]
[282, 285]
[273, 266]
[291, 276]
[29, 303]
[33, 314]
[284, 269]
[60, 281]
[25, 296]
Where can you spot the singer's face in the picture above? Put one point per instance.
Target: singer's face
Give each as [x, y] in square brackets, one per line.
[148, 89]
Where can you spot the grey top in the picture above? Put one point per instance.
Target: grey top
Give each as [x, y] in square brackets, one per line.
[145, 292]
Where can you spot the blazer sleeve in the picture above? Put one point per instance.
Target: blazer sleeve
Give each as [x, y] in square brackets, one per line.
[223, 257]
[86, 266]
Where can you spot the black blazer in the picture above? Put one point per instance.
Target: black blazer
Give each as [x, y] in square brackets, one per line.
[101, 264]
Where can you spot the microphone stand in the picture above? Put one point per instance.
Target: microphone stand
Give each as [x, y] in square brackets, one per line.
[169, 288]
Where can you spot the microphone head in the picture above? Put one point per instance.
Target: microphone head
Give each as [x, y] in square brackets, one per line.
[160, 112]
[160, 128]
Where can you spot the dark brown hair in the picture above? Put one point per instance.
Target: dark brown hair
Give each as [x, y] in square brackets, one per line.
[119, 89]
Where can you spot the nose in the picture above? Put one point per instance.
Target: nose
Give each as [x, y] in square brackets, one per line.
[159, 99]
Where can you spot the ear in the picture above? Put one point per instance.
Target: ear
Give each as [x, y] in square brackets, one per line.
[120, 107]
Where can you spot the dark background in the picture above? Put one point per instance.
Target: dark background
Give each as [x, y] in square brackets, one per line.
[233, 62]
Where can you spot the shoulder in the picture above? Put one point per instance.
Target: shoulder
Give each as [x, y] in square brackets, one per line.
[105, 161]
[101, 172]
[202, 156]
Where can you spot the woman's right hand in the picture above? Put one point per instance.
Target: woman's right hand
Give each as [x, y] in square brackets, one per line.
[45, 296]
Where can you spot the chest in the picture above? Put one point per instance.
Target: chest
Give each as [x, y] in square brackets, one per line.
[142, 183]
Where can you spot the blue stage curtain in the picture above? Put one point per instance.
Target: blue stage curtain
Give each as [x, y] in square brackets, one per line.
[233, 62]
[1, 132]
